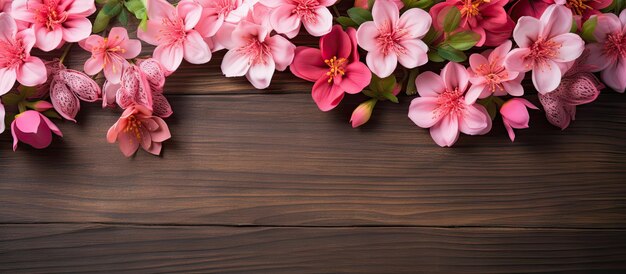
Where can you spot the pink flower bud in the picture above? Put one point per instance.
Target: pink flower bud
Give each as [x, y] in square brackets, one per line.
[40, 106]
[515, 115]
[361, 4]
[362, 113]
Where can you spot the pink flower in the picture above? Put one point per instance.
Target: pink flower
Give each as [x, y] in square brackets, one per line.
[5, 5]
[487, 18]
[609, 53]
[585, 8]
[67, 87]
[1, 117]
[55, 21]
[335, 68]
[443, 108]
[390, 39]
[364, 4]
[362, 113]
[171, 30]
[110, 53]
[137, 126]
[534, 8]
[32, 128]
[546, 45]
[256, 54]
[287, 15]
[216, 12]
[515, 115]
[488, 75]
[15, 59]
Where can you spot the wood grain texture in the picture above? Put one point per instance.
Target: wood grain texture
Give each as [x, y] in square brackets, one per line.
[128, 249]
[277, 160]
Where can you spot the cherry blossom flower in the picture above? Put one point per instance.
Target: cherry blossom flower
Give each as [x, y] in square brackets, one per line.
[546, 45]
[32, 128]
[335, 67]
[216, 12]
[443, 108]
[488, 75]
[515, 115]
[137, 127]
[171, 30]
[609, 53]
[16, 63]
[110, 54]
[390, 39]
[55, 21]
[287, 15]
[256, 54]
[485, 17]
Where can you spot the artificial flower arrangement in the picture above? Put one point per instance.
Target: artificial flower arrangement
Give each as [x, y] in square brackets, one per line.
[559, 44]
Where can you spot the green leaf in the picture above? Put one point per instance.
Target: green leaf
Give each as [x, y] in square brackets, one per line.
[431, 36]
[51, 114]
[452, 20]
[383, 85]
[451, 54]
[410, 86]
[123, 17]
[346, 22]
[422, 4]
[11, 99]
[101, 2]
[360, 15]
[434, 56]
[134, 5]
[101, 22]
[370, 93]
[112, 8]
[389, 96]
[588, 28]
[463, 40]
[144, 24]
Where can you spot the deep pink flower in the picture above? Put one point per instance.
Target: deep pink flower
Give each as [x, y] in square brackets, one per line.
[335, 67]
[442, 106]
[287, 15]
[390, 39]
[487, 18]
[137, 126]
[110, 53]
[546, 46]
[32, 128]
[171, 30]
[488, 75]
[256, 54]
[216, 12]
[5, 5]
[534, 8]
[609, 53]
[15, 60]
[55, 21]
[515, 115]
[585, 8]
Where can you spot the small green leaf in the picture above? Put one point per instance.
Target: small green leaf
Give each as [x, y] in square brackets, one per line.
[451, 54]
[112, 8]
[434, 56]
[101, 22]
[11, 99]
[463, 40]
[134, 5]
[346, 22]
[422, 4]
[123, 17]
[370, 93]
[383, 85]
[431, 36]
[360, 15]
[588, 28]
[51, 114]
[410, 88]
[389, 96]
[452, 20]
[101, 2]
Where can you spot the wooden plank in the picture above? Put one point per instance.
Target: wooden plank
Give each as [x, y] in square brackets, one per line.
[277, 160]
[180, 249]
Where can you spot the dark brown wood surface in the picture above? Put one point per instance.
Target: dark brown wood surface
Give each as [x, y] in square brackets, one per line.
[263, 182]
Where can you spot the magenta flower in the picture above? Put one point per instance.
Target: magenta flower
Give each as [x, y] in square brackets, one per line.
[256, 54]
[442, 106]
[32, 128]
[15, 60]
[533, 8]
[216, 12]
[487, 18]
[287, 15]
[137, 127]
[546, 45]
[390, 39]
[110, 53]
[55, 21]
[489, 76]
[335, 68]
[515, 115]
[171, 30]
[609, 53]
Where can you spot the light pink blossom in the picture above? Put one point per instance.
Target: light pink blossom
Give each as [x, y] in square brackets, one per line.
[171, 29]
[489, 76]
[256, 54]
[16, 63]
[391, 38]
[32, 128]
[546, 46]
[442, 106]
[609, 53]
[55, 21]
[515, 115]
[287, 15]
[137, 127]
[216, 12]
[110, 54]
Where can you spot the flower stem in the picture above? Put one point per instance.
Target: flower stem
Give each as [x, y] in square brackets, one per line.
[67, 50]
[336, 10]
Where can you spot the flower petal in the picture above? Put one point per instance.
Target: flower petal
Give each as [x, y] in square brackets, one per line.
[76, 29]
[454, 76]
[235, 63]
[170, 55]
[547, 77]
[260, 75]
[527, 31]
[195, 50]
[385, 14]
[380, 64]
[7, 80]
[446, 132]
[321, 25]
[308, 64]
[423, 111]
[326, 95]
[366, 36]
[282, 51]
[416, 21]
[32, 72]
[357, 77]
[415, 54]
[572, 46]
[475, 120]
[429, 84]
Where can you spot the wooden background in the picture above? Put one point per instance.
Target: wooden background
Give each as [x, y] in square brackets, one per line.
[264, 182]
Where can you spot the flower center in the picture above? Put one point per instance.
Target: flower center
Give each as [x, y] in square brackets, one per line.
[494, 74]
[257, 51]
[470, 8]
[450, 102]
[542, 51]
[306, 10]
[172, 31]
[389, 38]
[134, 127]
[48, 15]
[578, 6]
[337, 67]
[12, 53]
[615, 45]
